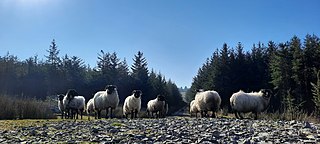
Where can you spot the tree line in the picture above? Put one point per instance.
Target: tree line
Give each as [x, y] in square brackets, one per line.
[289, 69]
[56, 74]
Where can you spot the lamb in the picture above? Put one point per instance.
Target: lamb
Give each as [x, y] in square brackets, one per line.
[193, 108]
[108, 99]
[132, 104]
[156, 106]
[207, 101]
[73, 103]
[90, 108]
[254, 102]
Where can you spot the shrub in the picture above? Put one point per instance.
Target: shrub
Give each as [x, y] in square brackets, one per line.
[24, 108]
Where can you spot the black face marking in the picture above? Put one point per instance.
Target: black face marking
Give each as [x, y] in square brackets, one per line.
[160, 98]
[60, 97]
[137, 93]
[110, 89]
[71, 93]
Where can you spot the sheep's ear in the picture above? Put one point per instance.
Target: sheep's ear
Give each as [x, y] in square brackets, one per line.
[134, 91]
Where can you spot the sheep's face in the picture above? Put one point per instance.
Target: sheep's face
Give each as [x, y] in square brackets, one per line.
[137, 93]
[71, 93]
[160, 98]
[266, 93]
[110, 89]
[60, 97]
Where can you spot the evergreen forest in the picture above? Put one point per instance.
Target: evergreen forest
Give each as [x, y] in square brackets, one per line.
[38, 79]
[290, 69]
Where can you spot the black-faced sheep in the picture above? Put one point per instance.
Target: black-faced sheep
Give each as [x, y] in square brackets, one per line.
[105, 100]
[77, 105]
[255, 102]
[61, 106]
[132, 104]
[156, 106]
[74, 103]
[71, 93]
[207, 101]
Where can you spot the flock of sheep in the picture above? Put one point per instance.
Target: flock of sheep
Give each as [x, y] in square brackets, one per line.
[71, 104]
[240, 102]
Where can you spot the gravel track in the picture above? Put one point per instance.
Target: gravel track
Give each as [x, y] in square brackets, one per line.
[166, 130]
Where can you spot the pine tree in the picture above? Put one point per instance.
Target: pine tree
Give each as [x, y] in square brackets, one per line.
[316, 94]
[53, 57]
[140, 75]
[54, 76]
[297, 70]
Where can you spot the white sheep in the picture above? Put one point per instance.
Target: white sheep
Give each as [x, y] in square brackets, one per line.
[71, 93]
[73, 103]
[105, 100]
[193, 108]
[77, 104]
[207, 101]
[156, 106]
[90, 108]
[61, 106]
[132, 104]
[255, 102]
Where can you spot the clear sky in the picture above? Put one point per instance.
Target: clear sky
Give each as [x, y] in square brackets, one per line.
[176, 36]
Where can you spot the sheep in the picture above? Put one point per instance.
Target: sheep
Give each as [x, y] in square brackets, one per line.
[71, 93]
[254, 102]
[77, 104]
[73, 103]
[90, 108]
[108, 99]
[132, 104]
[207, 101]
[193, 108]
[60, 105]
[156, 106]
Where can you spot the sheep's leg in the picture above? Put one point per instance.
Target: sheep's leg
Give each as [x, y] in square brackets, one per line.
[107, 112]
[111, 112]
[255, 115]
[132, 114]
[236, 114]
[81, 113]
[99, 114]
[240, 115]
[203, 114]
[213, 115]
[136, 113]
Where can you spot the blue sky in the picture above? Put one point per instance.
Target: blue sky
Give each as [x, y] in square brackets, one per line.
[176, 36]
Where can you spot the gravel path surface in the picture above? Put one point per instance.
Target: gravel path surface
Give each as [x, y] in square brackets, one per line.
[166, 130]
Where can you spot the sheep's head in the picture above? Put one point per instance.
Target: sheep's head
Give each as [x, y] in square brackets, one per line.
[71, 94]
[160, 98]
[60, 97]
[110, 89]
[137, 93]
[267, 93]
